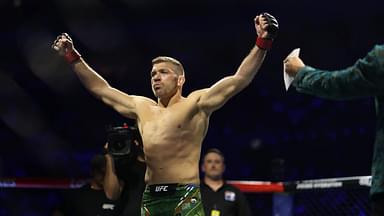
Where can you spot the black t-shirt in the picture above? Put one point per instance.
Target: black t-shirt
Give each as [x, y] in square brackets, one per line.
[228, 200]
[86, 201]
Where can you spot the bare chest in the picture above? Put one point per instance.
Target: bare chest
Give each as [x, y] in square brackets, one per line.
[163, 123]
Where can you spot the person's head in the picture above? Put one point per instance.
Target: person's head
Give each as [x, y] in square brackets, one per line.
[213, 165]
[98, 165]
[167, 76]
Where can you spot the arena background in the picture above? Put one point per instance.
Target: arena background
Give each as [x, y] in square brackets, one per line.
[50, 126]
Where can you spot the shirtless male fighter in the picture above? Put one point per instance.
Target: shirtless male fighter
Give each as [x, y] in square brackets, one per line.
[174, 126]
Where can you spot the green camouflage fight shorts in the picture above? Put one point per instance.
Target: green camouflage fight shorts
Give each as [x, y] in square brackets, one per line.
[172, 200]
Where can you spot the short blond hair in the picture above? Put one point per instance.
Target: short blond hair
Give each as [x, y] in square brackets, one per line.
[179, 66]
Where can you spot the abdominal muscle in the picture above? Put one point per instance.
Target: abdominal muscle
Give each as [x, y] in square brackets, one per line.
[172, 162]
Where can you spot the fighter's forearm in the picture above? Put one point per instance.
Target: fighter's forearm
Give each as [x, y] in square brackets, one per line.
[92, 81]
[251, 64]
[220, 92]
[266, 28]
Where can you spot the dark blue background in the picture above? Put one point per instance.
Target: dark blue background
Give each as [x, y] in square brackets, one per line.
[50, 125]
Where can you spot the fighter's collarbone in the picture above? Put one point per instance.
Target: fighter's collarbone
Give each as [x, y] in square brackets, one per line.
[169, 121]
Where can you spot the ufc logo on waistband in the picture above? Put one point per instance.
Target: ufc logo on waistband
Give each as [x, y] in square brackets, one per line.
[161, 188]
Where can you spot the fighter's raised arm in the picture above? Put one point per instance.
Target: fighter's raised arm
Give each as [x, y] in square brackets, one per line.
[214, 97]
[123, 103]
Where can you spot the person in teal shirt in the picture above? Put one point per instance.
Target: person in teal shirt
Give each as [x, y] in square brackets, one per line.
[363, 79]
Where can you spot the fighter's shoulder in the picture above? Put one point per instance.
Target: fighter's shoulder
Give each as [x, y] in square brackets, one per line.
[141, 100]
[197, 93]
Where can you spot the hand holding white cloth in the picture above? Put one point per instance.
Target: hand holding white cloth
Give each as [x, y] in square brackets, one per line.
[287, 78]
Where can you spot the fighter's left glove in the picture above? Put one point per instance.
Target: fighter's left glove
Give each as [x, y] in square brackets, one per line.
[272, 29]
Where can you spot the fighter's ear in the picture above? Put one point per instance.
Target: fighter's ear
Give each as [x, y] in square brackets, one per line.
[180, 80]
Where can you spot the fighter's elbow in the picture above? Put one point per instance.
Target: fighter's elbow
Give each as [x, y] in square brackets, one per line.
[241, 81]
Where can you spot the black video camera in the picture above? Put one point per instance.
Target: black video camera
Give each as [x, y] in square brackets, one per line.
[121, 140]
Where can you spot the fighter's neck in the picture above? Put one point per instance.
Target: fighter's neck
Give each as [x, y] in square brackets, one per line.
[169, 101]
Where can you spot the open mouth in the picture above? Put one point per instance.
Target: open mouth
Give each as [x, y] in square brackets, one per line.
[156, 86]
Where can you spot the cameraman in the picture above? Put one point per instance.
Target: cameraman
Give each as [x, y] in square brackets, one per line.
[90, 199]
[125, 169]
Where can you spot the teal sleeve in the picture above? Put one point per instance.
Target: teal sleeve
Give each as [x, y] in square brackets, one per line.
[364, 78]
